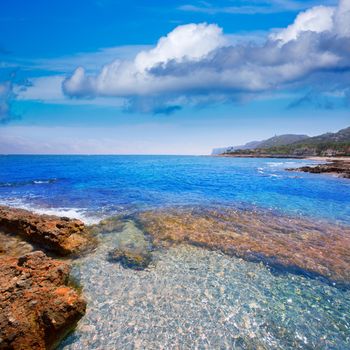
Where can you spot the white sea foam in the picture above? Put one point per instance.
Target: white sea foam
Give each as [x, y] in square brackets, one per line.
[72, 213]
[275, 164]
[42, 181]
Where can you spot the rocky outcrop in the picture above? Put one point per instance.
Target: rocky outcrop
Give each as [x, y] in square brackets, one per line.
[340, 168]
[60, 235]
[37, 306]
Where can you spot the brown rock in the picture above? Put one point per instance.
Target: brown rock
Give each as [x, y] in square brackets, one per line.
[129, 258]
[340, 168]
[60, 235]
[13, 245]
[37, 306]
[295, 243]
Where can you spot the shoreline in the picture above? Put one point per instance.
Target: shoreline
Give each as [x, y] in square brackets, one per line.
[331, 166]
[338, 167]
[316, 158]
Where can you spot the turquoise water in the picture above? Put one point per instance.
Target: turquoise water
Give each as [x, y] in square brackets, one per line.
[103, 185]
[189, 298]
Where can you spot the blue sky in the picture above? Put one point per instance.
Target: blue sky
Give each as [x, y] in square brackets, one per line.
[96, 77]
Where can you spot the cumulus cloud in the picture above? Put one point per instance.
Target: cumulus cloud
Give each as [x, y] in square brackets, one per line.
[196, 64]
[189, 43]
[317, 19]
[342, 18]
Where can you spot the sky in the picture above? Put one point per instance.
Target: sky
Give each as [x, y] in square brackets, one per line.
[169, 77]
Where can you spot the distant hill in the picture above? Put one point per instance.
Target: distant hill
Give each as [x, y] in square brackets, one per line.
[340, 136]
[271, 142]
[329, 144]
[281, 140]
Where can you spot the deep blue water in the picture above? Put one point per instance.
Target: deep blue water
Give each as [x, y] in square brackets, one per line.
[96, 185]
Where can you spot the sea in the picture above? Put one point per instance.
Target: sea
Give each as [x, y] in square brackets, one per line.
[190, 297]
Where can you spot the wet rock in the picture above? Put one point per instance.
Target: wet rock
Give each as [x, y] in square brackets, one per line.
[60, 235]
[340, 168]
[108, 225]
[294, 244]
[129, 258]
[13, 245]
[132, 249]
[37, 306]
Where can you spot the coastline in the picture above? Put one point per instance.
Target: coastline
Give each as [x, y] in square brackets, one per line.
[315, 158]
[332, 166]
[337, 166]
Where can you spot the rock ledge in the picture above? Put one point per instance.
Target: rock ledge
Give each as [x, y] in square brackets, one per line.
[62, 236]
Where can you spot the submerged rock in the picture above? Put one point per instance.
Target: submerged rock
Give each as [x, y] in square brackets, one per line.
[132, 249]
[296, 244]
[130, 258]
[37, 306]
[60, 235]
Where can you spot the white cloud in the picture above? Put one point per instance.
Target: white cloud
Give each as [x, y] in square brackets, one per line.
[196, 62]
[186, 42]
[342, 18]
[317, 19]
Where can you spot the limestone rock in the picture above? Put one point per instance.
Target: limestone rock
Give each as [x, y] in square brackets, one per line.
[37, 306]
[60, 235]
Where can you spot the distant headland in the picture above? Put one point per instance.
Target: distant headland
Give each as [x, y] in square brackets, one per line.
[294, 146]
[330, 146]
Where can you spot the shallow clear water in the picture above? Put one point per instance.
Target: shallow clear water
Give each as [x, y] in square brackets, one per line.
[196, 299]
[189, 297]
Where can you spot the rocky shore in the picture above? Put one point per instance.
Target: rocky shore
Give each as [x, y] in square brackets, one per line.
[59, 235]
[38, 307]
[335, 167]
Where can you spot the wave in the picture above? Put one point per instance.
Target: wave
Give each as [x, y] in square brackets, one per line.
[29, 182]
[72, 213]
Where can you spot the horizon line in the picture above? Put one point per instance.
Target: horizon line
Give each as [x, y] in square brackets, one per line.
[101, 154]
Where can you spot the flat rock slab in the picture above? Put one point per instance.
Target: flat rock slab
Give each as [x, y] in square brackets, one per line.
[37, 306]
[293, 243]
[60, 235]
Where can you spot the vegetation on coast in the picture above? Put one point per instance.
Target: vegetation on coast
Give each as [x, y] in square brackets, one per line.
[329, 144]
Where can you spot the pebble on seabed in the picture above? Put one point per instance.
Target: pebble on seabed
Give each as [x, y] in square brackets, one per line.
[194, 298]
